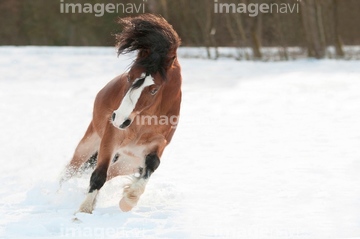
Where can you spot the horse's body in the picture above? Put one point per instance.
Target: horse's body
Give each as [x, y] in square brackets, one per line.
[125, 133]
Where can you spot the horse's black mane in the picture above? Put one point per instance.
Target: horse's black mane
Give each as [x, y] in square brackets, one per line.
[153, 37]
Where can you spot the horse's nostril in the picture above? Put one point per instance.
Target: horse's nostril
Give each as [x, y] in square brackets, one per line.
[113, 116]
[125, 124]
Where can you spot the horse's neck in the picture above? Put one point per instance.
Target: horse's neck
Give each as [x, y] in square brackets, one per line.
[171, 96]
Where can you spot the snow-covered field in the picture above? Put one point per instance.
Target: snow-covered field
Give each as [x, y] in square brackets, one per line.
[263, 150]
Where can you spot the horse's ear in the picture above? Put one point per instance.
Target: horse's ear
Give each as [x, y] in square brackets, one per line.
[144, 53]
[170, 62]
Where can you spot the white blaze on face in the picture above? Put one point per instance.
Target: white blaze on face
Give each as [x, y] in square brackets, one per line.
[128, 103]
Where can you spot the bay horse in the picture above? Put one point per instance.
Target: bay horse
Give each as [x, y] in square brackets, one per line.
[118, 137]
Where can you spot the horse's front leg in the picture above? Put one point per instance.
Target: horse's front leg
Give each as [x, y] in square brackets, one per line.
[98, 177]
[136, 188]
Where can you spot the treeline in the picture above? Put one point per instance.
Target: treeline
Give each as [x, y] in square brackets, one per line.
[313, 25]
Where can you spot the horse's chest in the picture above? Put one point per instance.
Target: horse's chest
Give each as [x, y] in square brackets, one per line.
[130, 155]
[132, 151]
[127, 160]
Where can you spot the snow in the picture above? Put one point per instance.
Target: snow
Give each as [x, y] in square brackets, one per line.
[263, 150]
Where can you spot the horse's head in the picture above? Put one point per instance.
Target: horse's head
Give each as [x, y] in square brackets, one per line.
[156, 42]
[141, 94]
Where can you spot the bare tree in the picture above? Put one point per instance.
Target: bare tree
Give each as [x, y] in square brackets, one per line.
[337, 38]
[280, 29]
[240, 28]
[311, 28]
[256, 36]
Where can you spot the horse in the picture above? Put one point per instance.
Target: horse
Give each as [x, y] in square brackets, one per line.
[123, 137]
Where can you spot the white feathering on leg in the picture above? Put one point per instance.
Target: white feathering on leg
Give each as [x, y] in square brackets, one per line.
[132, 193]
[88, 204]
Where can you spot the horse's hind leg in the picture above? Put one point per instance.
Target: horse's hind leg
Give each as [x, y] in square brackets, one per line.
[90, 164]
[86, 149]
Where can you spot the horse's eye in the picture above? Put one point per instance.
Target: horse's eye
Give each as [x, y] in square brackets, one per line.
[154, 91]
[128, 78]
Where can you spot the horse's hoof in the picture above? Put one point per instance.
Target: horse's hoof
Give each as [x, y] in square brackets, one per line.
[125, 206]
[85, 209]
[88, 205]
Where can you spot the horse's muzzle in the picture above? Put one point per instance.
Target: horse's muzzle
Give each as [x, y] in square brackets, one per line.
[125, 124]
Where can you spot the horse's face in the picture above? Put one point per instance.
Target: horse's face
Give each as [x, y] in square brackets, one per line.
[141, 94]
